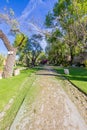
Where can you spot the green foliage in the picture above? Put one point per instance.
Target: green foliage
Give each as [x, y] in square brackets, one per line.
[20, 40]
[70, 26]
[49, 18]
[85, 62]
[1, 60]
[57, 33]
[41, 57]
[70, 11]
[31, 51]
[16, 90]
[57, 52]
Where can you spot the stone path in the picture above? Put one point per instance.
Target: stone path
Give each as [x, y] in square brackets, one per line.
[51, 110]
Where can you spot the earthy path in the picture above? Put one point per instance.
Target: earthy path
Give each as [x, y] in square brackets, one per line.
[51, 110]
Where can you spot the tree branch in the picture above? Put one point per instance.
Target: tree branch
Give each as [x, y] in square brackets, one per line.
[6, 41]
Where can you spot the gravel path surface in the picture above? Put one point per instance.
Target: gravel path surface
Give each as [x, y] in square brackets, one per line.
[51, 110]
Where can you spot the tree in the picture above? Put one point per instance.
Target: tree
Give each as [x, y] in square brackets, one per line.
[32, 50]
[49, 19]
[56, 49]
[1, 60]
[12, 22]
[70, 18]
[8, 69]
[20, 41]
[42, 58]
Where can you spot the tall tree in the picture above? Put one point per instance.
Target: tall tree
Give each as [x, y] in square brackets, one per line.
[70, 18]
[56, 49]
[8, 69]
[32, 50]
[9, 19]
[2, 58]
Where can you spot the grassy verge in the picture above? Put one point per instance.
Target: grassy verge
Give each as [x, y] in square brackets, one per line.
[77, 76]
[9, 88]
[16, 88]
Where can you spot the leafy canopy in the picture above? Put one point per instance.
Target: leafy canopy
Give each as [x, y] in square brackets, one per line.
[20, 40]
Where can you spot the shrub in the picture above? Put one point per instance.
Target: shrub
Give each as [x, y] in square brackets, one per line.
[85, 62]
[1, 60]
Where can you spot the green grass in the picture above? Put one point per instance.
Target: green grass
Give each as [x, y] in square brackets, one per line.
[10, 87]
[16, 88]
[77, 76]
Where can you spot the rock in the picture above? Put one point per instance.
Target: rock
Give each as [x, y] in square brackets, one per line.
[0, 75]
[66, 71]
[16, 72]
[73, 65]
[2, 115]
[11, 101]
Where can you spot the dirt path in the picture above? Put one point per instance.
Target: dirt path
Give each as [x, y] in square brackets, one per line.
[51, 110]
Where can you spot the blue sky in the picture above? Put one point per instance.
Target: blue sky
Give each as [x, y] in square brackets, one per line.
[18, 6]
[31, 14]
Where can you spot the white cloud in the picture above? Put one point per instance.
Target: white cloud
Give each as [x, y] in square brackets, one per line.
[43, 44]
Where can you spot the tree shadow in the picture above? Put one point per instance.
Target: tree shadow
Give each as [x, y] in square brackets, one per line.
[75, 74]
[78, 78]
[47, 74]
[78, 75]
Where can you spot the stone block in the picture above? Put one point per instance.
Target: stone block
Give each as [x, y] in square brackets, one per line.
[0, 75]
[66, 71]
[16, 72]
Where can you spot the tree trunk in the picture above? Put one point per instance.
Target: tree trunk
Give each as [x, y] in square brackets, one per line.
[8, 69]
[33, 62]
[71, 55]
[27, 61]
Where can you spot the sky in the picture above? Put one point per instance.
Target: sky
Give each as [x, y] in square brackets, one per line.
[18, 6]
[26, 12]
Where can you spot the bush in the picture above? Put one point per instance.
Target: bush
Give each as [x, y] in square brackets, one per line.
[85, 62]
[1, 60]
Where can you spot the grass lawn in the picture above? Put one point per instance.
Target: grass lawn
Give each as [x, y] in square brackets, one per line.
[14, 88]
[9, 88]
[77, 76]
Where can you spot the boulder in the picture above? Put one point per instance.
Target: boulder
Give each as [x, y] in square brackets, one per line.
[16, 72]
[0, 74]
[66, 71]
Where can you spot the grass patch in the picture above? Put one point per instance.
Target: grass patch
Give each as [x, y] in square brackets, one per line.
[9, 88]
[16, 88]
[77, 76]
[32, 96]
